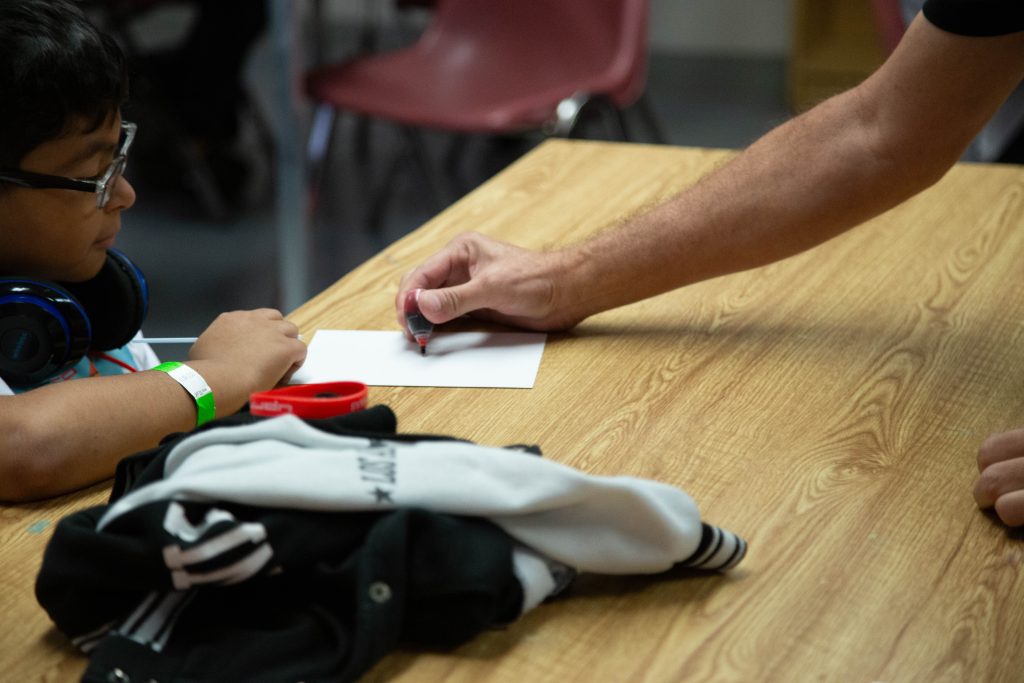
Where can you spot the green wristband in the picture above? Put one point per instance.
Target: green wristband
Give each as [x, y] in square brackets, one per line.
[196, 386]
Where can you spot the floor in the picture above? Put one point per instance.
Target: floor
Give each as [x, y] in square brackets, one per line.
[199, 265]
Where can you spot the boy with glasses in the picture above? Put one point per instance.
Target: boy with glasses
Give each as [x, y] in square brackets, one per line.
[63, 150]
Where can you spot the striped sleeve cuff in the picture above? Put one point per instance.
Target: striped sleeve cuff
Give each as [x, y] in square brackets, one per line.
[718, 550]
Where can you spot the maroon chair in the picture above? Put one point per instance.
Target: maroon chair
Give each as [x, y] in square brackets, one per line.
[496, 67]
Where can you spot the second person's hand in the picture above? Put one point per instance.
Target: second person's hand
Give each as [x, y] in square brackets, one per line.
[492, 280]
[1001, 482]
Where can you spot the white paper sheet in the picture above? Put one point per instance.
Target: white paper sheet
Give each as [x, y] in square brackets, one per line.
[453, 359]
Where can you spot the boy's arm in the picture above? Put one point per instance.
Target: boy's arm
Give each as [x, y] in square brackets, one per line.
[64, 436]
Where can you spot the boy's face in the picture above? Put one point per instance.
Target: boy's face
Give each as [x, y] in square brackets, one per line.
[61, 234]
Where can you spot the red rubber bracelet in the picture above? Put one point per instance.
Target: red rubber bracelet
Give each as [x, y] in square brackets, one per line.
[326, 399]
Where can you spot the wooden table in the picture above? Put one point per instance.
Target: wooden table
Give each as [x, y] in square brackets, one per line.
[828, 408]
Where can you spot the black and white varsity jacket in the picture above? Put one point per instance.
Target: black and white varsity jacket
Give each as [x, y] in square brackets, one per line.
[277, 549]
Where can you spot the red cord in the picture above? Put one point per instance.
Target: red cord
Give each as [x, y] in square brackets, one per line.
[115, 361]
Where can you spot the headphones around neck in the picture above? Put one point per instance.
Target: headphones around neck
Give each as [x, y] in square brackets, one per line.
[46, 327]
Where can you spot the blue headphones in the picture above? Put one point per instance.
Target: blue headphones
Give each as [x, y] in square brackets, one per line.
[46, 327]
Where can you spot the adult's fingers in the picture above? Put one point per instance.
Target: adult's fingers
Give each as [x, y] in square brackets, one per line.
[441, 305]
[1000, 447]
[999, 479]
[1010, 508]
[447, 267]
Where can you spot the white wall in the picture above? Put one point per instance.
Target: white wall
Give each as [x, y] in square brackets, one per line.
[744, 27]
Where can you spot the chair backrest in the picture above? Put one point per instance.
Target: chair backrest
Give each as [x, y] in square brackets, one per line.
[599, 44]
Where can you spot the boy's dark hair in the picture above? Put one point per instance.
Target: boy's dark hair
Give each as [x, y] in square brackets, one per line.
[55, 66]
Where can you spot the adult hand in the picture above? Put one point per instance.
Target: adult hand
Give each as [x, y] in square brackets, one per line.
[1001, 484]
[251, 351]
[492, 280]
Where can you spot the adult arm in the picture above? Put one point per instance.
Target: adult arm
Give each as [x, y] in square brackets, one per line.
[63, 436]
[850, 158]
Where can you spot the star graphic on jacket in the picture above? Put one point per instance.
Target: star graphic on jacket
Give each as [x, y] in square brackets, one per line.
[382, 495]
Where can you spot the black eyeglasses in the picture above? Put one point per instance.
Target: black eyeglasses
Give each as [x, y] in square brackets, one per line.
[102, 186]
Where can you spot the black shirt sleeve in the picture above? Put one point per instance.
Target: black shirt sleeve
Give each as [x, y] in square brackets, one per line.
[976, 17]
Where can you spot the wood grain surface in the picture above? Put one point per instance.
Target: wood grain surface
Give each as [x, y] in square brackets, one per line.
[828, 408]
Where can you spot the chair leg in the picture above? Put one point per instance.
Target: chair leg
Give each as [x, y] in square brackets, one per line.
[615, 122]
[413, 149]
[379, 197]
[568, 114]
[261, 123]
[361, 133]
[651, 120]
[316, 151]
[431, 176]
[452, 157]
[574, 112]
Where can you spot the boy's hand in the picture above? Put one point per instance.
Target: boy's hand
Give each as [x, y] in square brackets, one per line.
[1001, 484]
[246, 351]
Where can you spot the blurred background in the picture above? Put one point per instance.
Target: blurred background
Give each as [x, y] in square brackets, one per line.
[206, 96]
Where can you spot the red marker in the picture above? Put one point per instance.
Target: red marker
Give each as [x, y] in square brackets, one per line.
[418, 325]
